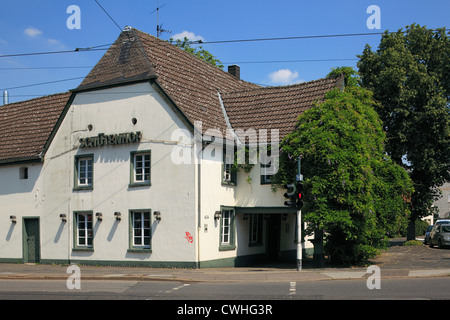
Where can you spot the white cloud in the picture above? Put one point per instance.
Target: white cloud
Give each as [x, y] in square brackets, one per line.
[190, 35]
[285, 77]
[55, 43]
[32, 32]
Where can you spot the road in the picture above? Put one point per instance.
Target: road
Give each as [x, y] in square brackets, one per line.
[400, 288]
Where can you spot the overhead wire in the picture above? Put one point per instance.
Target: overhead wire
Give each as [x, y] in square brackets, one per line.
[112, 19]
[41, 83]
[299, 37]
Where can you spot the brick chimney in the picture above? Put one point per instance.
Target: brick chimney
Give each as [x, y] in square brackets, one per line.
[235, 70]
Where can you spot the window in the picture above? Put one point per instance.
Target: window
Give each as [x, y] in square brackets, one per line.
[140, 168]
[229, 175]
[84, 172]
[83, 229]
[140, 230]
[256, 227]
[23, 173]
[225, 227]
[227, 230]
[268, 167]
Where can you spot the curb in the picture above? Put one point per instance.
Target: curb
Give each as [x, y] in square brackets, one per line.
[224, 278]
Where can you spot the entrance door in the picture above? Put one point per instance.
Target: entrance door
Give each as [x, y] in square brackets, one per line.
[273, 237]
[31, 247]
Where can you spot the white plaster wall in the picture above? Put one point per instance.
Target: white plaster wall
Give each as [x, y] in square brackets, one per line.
[19, 197]
[172, 186]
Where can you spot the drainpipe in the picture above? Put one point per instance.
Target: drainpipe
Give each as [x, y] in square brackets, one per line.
[197, 161]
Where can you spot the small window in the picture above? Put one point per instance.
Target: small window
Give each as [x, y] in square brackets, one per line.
[256, 227]
[140, 168]
[229, 174]
[84, 231]
[227, 230]
[23, 173]
[84, 172]
[140, 230]
[268, 167]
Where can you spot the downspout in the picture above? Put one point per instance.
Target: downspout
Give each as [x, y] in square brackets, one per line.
[197, 161]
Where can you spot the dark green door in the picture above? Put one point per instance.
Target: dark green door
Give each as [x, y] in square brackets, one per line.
[31, 250]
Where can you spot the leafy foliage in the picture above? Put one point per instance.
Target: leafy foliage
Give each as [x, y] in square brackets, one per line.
[353, 192]
[198, 52]
[409, 75]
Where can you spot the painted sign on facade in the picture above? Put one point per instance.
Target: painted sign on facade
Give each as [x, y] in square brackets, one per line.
[110, 139]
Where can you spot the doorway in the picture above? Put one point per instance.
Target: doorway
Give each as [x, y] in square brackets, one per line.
[273, 237]
[31, 240]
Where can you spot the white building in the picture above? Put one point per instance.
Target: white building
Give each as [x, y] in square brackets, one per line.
[122, 170]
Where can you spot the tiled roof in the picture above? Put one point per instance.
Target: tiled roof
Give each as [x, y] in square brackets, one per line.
[197, 88]
[191, 83]
[25, 126]
[125, 61]
[275, 107]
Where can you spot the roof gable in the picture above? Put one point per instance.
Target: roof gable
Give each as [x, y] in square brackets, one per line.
[125, 61]
[191, 83]
[198, 91]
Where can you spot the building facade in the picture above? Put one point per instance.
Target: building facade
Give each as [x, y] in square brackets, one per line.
[130, 169]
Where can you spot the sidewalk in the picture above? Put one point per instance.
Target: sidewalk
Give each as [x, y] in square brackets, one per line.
[52, 272]
[398, 261]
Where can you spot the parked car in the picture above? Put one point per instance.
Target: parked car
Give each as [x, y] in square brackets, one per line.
[440, 235]
[442, 221]
[427, 234]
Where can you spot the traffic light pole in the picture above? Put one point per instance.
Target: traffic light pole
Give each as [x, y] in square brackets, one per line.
[299, 223]
[299, 240]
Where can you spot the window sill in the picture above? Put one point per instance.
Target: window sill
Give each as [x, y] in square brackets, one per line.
[84, 188]
[139, 250]
[139, 184]
[228, 183]
[227, 247]
[89, 249]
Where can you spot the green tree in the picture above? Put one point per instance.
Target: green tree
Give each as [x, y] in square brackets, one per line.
[347, 174]
[198, 52]
[409, 75]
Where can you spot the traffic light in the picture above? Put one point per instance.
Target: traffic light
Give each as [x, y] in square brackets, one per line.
[299, 195]
[291, 195]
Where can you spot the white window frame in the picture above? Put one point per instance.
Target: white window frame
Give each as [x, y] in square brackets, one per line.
[83, 226]
[85, 163]
[144, 229]
[225, 227]
[141, 162]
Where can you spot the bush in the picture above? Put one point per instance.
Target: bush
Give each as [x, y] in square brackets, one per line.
[421, 227]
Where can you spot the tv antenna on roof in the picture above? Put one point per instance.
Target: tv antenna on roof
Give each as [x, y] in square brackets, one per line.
[159, 28]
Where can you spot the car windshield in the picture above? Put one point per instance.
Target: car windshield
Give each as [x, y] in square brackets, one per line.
[446, 228]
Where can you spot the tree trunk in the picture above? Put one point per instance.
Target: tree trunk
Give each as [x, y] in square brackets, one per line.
[318, 257]
[411, 233]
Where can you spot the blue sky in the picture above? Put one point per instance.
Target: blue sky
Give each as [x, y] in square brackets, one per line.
[29, 26]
